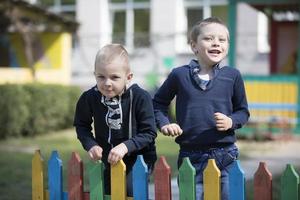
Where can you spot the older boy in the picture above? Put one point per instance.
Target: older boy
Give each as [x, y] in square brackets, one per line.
[210, 103]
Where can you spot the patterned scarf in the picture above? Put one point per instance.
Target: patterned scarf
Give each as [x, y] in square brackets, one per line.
[114, 116]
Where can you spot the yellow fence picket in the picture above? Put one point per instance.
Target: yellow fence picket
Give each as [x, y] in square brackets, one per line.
[211, 181]
[37, 177]
[118, 181]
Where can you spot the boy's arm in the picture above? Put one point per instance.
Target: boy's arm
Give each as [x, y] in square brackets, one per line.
[240, 113]
[162, 100]
[83, 123]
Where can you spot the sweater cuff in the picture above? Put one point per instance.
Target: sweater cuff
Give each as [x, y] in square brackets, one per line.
[90, 144]
[162, 123]
[130, 146]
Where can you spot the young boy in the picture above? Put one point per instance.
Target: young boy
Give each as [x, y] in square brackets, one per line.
[210, 103]
[122, 115]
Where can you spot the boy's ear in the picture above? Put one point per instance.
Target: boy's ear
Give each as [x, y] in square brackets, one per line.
[129, 76]
[193, 47]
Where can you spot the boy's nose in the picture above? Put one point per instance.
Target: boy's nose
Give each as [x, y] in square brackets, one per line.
[107, 82]
[216, 42]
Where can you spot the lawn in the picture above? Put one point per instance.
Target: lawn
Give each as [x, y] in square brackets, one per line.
[16, 156]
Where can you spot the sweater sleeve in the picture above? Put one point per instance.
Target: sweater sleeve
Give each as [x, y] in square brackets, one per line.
[145, 124]
[240, 113]
[83, 123]
[162, 100]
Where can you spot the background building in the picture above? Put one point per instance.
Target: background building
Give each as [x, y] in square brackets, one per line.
[264, 44]
[35, 44]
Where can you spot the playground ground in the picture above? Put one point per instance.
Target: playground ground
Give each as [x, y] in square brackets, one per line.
[15, 181]
[276, 154]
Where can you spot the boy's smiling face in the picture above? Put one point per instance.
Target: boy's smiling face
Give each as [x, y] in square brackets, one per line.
[212, 44]
[112, 77]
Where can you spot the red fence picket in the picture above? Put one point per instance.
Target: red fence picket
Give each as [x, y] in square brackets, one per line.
[162, 181]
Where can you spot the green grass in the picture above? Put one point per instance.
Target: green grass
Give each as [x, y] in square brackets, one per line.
[16, 156]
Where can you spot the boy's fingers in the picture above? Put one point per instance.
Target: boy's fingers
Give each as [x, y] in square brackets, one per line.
[91, 155]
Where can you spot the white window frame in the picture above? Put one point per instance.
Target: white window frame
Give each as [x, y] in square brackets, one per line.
[128, 7]
[182, 32]
[263, 45]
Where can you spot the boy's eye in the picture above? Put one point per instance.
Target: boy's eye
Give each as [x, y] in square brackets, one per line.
[100, 77]
[115, 77]
[208, 38]
[223, 39]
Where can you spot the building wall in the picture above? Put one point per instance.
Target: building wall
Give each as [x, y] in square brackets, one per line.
[168, 35]
[248, 59]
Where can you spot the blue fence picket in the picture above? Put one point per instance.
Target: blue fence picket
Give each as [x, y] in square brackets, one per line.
[236, 182]
[140, 179]
[162, 184]
[55, 180]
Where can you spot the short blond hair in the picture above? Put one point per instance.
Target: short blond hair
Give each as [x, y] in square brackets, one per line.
[196, 29]
[111, 52]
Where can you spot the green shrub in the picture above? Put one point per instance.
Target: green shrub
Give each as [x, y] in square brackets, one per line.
[14, 112]
[74, 93]
[33, 109]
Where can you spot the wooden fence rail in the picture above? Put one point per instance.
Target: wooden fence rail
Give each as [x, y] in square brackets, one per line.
[162, 181]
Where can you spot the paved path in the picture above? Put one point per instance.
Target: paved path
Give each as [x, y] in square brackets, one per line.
[276, 155]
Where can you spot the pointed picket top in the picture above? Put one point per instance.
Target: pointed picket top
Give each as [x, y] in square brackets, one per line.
[211, 181]
[140, 179]
[236, 182]
[37, 176]
[118, 181]
[262, 183]
[162, 180]
[96, 179]
[289, 183]
[75, 177]
[187, 173]
[55, 182]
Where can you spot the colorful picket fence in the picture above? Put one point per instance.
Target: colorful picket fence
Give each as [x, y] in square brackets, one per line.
[162, 181]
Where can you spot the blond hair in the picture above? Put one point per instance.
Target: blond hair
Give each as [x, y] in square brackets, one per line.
[196, 29]
[111, 53]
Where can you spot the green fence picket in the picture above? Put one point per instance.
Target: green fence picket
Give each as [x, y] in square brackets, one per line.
[289, 184]
[96, 180]
[187, 180]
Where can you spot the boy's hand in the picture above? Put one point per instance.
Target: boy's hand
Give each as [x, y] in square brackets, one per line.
[117, 153]
[223, 122]
[95, 153]
[171, 130]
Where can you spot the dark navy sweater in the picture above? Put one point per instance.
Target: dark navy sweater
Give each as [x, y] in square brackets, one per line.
[195, 107]
[90, 111]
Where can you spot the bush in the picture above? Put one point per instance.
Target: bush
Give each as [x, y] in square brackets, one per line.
[41, 107]
[14, 112]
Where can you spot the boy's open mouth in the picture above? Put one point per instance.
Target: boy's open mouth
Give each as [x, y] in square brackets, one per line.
[214, 51]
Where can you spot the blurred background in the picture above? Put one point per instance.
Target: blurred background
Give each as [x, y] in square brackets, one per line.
[48, 47]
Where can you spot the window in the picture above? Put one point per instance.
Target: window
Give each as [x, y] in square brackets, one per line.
[66, 7]
[141, 28]
[131, 22]
[119, 27]
[262, 33]
[196, 10]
